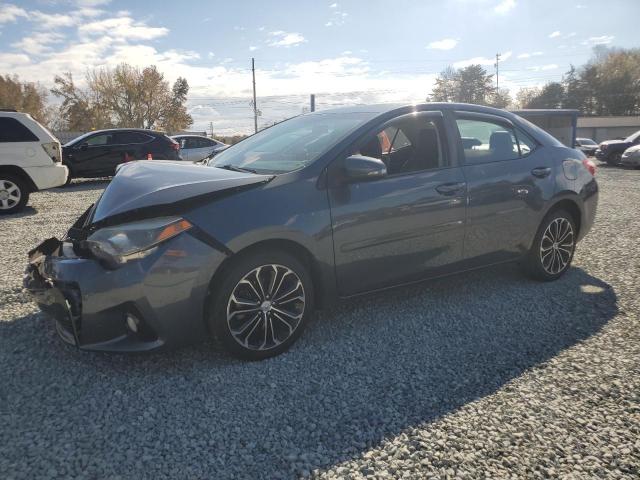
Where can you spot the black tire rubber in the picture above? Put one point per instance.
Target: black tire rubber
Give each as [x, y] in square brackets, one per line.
[614, 159]
[532, 264]
[24, 193]
[228, 280]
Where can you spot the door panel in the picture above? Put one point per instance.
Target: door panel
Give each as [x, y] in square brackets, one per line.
[396, 230]
[506, 196]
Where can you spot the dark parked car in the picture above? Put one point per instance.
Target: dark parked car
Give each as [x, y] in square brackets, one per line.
[611, 151]
[586, 146]
[98, 153]
[322, 206]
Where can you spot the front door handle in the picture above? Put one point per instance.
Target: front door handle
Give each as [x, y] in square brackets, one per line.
[541, 172]
[450, 188]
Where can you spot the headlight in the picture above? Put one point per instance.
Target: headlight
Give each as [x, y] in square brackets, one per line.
[121, 243]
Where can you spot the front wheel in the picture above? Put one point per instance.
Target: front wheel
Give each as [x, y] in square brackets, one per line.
[14, 194]
[261, 305]
[553, 247]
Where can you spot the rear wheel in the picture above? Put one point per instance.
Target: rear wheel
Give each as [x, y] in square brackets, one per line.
[14, 194]
[553, 247]
[261, 305]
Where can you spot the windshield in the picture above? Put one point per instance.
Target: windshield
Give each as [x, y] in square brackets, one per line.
[586, 141]
[633, 137]
[290, 145]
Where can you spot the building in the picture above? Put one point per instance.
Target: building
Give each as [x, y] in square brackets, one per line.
[561, 123]
[607, 128]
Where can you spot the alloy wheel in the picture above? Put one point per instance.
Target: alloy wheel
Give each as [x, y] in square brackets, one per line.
[557, 245]
[10, 194]
[265, 307]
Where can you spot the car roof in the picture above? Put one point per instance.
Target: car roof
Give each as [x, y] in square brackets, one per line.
[141, 130]
[191, 135]
[382, 108]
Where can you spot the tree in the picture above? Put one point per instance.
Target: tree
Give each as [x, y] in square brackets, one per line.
[468, 85]
[79, 110]
[445, 87]
[124, 97]
[501, 98]
[551, 96]
[25, 97]
[525, 96]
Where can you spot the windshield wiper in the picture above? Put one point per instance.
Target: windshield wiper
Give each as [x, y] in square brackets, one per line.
[237, 169]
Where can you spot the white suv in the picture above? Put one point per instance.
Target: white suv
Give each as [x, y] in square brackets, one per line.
[30, 160]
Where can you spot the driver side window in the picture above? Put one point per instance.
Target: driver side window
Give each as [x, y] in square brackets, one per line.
[409, 144]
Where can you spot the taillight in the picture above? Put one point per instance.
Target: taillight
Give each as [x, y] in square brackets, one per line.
[589, 165]
[53, 151]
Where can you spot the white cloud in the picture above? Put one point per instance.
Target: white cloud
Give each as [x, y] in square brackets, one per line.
[13, 60]
[444, 44]
[347, 52]
[211, 54]
[579, 6]
[529, 55]
[51, 20]
[39, 42]
[328, 24]
[10, 13]
[537, 68]
[602, 40]
[285, 39]
[482, 60]
[474, 61]
[555, 34]
[570, 35]
[504, 7]
[122, 28]
[333, 5]
[253, 48]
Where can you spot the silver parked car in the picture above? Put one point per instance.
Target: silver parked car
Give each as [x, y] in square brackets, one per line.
[631, 157]
[194, 148]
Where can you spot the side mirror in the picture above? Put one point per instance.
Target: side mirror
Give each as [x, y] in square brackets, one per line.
[359, 168]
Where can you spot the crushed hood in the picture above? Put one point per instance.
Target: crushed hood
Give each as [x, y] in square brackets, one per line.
[146, 189]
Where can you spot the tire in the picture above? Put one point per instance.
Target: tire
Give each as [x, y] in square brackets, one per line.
[614, 159]
[69, 176]
[547, 259]
[14, 193]
[240, 290]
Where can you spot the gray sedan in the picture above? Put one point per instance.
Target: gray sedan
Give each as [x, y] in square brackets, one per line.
[321, 207]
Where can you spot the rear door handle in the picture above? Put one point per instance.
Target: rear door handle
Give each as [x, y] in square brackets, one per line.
[450, 188]
[541, 172]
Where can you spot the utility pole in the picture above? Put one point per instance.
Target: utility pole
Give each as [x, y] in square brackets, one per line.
[255, 106]
[211, 127]
[313, 102]
[497, 73]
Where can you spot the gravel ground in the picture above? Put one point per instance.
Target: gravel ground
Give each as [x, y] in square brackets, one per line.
[485, 374]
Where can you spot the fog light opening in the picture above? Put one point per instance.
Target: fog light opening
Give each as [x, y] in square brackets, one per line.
[133, 323]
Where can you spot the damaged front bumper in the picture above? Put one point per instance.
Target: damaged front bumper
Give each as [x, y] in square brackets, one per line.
[165, 292]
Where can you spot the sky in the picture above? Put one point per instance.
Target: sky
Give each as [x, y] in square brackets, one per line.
[346, 52]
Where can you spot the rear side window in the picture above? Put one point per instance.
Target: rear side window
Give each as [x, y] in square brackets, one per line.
[127, 138]
[484, 141]
[11, 130]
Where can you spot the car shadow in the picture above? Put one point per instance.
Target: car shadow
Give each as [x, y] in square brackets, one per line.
[362, 372]
[27, 211]
[81, 185]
